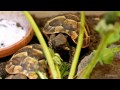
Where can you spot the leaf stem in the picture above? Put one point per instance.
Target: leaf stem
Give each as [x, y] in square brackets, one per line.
[78, 48]
[41, 75]
[95, 59]
[43, 44]
[58, 71]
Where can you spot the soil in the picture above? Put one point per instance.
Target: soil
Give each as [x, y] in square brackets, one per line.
[107, 71]
[94, 39]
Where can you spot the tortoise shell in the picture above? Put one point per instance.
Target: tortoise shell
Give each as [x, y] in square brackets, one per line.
[17, 76]
[26, 61]
[68, 24]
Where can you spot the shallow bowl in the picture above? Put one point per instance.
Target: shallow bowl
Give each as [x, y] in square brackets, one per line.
[18, 17]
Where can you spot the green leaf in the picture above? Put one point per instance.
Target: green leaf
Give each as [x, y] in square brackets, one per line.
[109, 30]
[101, 27]
[57, 59]
[64, 69]
[111, 17]
[107, 56]
[115, 36]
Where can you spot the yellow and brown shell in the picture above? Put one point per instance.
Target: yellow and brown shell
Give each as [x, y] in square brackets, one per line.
[17, 76]
[26, 61]
[68, 24]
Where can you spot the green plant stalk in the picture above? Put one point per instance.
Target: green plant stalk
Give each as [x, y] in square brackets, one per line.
[58, 71]
[43, 44]
[78, 48]
[41, 75]
[91, 65]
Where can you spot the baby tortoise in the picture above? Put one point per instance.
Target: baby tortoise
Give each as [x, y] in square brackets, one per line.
[26, 61]
[68, 24]
[60, 28]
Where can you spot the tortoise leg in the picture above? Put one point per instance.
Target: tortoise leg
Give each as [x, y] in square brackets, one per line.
[71, 54]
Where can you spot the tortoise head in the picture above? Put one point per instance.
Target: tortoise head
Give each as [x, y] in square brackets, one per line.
[59, 41]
